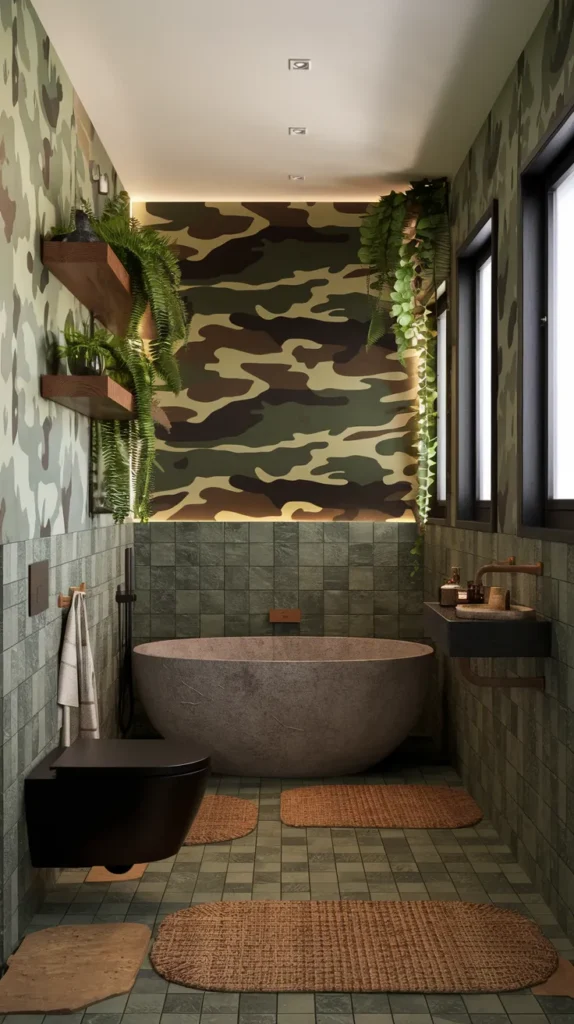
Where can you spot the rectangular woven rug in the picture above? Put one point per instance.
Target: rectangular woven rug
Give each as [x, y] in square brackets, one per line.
[376, 806]
[352, 946]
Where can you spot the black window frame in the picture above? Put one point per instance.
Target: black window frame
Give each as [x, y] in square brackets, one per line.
[438, 513]
[481, 244]
[538, 515]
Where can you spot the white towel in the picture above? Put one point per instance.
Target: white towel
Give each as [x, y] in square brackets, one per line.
[77, 681]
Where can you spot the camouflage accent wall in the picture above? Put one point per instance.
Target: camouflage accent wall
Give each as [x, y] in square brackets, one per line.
[284, 414]
[515, 747]
[46, 144]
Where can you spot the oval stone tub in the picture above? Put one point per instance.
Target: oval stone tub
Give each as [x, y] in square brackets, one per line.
[285, 706]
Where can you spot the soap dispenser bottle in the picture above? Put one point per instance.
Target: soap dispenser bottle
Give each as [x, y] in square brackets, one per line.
[448, 594]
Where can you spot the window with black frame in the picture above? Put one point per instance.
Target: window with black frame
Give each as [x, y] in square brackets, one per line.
[438, 508]
[477, 376]
[547, 348]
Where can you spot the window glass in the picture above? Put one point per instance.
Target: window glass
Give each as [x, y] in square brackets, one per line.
[483, 371]
[442, 386]
[561, 340]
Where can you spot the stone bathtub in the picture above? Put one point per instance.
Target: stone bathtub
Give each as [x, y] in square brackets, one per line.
[285, 706]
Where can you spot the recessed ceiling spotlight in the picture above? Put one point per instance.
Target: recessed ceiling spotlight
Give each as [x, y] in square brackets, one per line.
[296, 177]
[297, 131]
[299, 64]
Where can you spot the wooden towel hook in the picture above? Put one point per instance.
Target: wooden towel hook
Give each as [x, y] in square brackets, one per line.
[65, 602]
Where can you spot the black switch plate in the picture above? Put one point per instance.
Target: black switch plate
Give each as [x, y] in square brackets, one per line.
[38, 587]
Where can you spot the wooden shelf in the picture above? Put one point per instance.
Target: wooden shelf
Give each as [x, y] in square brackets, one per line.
[93, 273]
[98, 397]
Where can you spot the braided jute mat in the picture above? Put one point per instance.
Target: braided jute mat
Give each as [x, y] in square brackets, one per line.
[221, 818]
[374, 806]
[352, 946]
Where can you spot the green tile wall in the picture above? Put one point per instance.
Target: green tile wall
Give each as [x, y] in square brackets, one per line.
[221, 579]
[29, 677]
[515, 747]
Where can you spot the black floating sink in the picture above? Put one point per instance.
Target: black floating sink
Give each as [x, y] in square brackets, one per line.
[468, 638]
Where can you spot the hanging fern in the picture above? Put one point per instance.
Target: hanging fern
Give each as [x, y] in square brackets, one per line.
[155, 277]
[405, 241]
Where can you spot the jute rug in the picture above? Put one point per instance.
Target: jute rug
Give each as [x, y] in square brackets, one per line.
[58, 970]
[379, 807]
[221, 818]
[352, 946]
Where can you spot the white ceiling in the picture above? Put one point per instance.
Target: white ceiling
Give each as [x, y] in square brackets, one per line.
[193, 98]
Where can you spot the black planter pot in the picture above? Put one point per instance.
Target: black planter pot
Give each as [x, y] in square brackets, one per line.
[80, 364]
[83, 231]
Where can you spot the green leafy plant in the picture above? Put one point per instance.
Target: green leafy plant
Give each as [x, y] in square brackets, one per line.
[126, 447]
[85, 344]
[155, 278]
[405, 241]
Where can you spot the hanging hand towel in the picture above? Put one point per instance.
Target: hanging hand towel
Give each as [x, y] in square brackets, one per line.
[77, 681]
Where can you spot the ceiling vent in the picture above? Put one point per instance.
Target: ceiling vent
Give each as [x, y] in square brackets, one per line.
[296, 177]
[298, 64]
[297, 131]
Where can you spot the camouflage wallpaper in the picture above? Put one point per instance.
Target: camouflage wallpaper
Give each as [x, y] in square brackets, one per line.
[46, 145]
[284, 414]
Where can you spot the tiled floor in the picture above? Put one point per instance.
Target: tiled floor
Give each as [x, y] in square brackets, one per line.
[287, 863]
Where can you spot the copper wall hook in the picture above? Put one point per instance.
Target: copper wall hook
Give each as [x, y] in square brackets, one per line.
[65, 602]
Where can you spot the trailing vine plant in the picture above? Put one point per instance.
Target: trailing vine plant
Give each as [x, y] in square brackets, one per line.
[405, 242]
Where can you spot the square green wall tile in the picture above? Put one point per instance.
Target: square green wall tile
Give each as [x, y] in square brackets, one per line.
[225, 577]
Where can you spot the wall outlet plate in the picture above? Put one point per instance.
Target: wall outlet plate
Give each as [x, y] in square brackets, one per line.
[38, 587]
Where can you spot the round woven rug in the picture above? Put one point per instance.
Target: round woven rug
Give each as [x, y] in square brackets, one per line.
[352, 946]
[221, 818]
[375, 806]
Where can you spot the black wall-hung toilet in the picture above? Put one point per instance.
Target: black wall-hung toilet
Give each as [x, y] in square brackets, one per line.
[113, 802]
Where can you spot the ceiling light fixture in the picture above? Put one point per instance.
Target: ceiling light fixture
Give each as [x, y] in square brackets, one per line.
[296, 177]
[297, 131]
[299, 64]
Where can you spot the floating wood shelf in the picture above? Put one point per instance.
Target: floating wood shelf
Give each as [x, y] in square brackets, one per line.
[93, 273]
[98, 397]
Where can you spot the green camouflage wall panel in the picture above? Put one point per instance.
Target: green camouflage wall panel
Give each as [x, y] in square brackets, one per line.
[539, 89]
[284, 414]
[46, 145]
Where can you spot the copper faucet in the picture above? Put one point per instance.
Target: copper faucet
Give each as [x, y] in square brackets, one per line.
[509, 566]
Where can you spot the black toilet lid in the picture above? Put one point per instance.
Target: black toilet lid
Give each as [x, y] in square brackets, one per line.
[131, 757]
